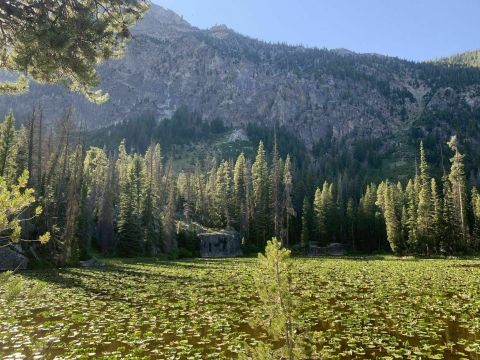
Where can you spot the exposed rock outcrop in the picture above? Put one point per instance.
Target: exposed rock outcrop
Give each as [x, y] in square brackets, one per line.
[315, 93]
[93, 262]
[220, 244]
[12, 258]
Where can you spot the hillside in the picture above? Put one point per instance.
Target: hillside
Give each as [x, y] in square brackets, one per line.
[334, 101]
[469, 59]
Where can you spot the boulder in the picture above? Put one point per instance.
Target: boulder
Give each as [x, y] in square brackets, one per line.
[333, 249]
[93, 262]
[12, 258]
[220, 244]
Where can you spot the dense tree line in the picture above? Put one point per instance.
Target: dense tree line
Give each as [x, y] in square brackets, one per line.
[134, 204]
[420, 217]
[183, 128]
[359, 159]
[129, 204]
[425, 218]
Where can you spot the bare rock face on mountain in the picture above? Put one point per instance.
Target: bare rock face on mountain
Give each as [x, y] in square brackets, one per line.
[314, 93]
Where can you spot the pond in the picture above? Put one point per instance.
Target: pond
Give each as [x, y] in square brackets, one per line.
[202, 309]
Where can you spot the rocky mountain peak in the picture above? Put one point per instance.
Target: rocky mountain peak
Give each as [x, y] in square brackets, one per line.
[220, 31]
[316, 94]
[343, 51]
[160, 22]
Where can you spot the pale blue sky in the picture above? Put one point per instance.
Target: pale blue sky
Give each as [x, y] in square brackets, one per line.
[410, 29]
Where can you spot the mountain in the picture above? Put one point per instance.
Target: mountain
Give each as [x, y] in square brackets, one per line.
[336, 102]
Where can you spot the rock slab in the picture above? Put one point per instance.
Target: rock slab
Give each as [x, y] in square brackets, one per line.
[220, 244]
[11, 258]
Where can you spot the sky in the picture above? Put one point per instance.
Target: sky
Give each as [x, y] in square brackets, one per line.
[410, 29]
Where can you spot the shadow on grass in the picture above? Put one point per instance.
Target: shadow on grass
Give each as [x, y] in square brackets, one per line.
[193, 263]
[92, 280]
[131, 274]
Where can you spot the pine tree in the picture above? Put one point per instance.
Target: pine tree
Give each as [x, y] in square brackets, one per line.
[62, 42]
[169, 223]
[222, 196]
[323, 206]
[40, 168]
[399, 198]
[276, 193]
[250, 204]
[21, 152]
[130, 234]
[84, 231]
[240, 210]
[14, 200]
[339, 212]
[278, 311]
[318, 212]
[8, 148]
[106, 231]
[405, 225]
[138, 177]
[151, 212]
[187, 206]
[122, 164]
[368, 227]
[95, 168]
[381, 195]
[350, 218]
[424, 212]
[260, 180]
[306, 222]
[392, 222]
[458, 194]
[210, 189]
[289, 209]
[74, 174]
[411, 222]
[437, 216]
[200, 206]
[476, 220]
[450, 225]
[329, 205]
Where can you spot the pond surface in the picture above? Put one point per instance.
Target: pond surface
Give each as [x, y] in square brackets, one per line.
[201, 309]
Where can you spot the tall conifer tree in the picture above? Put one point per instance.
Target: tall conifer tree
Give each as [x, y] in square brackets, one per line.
[458, 193]
[276, 192]
[260, 181]
[8, 148]
[240, 194]
[424, 212]
[306, 222]
[289, 209]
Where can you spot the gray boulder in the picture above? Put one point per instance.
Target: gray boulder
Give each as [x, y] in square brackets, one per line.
[220, 244]
[93, 262]
[333, 249]
[12, 258]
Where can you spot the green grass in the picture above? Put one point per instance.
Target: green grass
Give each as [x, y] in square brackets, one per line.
[200, 309]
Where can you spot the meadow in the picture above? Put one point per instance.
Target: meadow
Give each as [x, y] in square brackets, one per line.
[201, 309]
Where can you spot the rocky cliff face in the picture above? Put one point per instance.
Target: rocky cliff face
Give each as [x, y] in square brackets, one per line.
[314, 93]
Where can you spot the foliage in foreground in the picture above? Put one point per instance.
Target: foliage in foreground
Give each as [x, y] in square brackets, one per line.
[61, 41]
[278, 310]
[12, 288]
[370, 309]
[14, 201]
